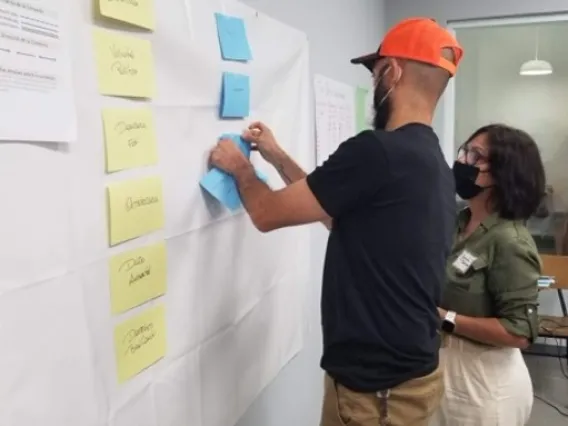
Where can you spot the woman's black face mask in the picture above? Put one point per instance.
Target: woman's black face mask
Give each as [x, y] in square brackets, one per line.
[465, 176]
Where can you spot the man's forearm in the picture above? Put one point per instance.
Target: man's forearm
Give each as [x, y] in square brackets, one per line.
[291, 172]
[254, 194]
[287, 168]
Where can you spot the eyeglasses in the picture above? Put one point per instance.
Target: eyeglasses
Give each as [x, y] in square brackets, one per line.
[470, 155]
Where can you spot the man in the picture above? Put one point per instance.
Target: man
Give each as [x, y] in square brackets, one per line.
[388, 198]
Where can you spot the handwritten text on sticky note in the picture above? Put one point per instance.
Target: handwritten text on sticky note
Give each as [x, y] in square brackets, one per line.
[235, 96]
[130, 138]
[136, 12]
[137, 276]
[135, 208]
[125, 65]
[140, 342]
[233, 38]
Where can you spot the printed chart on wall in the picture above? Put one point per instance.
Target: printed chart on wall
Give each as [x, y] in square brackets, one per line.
[35, 74]
[335, 115]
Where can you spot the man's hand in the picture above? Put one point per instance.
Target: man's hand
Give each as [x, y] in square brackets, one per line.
[228, 157]
[263, 140]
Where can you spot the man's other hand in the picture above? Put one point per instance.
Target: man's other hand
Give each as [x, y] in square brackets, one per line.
[228, 157]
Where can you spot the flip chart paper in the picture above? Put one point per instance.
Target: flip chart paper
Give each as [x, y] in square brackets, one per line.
[135, 208]
[233, 38]
[137, 276]
[361, 108]
[125, 65]
[235, 96]
[130, 138]
[140, 342]
[135, 12]
[335, 115]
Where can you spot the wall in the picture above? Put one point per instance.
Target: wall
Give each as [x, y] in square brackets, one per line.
[337, 31]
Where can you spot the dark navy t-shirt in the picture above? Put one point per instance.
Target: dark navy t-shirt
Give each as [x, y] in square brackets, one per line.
[392, 199]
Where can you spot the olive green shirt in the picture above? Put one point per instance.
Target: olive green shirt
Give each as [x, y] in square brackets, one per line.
[493, 273]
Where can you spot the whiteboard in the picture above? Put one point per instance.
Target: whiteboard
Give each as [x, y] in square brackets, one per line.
[234, 296]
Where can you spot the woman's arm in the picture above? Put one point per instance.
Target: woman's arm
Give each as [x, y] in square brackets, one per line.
[512, 282]
[486, 330]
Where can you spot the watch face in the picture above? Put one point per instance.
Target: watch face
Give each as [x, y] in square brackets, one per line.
[448, 326]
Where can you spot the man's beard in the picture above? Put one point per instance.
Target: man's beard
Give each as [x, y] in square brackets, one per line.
[382, 109]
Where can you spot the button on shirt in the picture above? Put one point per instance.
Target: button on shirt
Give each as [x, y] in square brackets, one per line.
[493, 273]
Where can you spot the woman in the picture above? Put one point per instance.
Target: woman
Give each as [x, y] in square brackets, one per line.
[489, 304]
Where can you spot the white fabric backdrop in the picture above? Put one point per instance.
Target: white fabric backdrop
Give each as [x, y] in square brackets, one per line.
[234, 299]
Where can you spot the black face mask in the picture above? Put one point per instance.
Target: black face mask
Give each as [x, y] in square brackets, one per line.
[382, 109]
[465, 176]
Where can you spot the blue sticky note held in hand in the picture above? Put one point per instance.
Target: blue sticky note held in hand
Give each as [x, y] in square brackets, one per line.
[235, 96]
[223, 186]
[232, 38]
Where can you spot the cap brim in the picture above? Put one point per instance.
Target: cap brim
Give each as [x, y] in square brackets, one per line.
[368, 60]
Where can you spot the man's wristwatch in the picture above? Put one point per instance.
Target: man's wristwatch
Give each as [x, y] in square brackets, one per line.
[449, 322]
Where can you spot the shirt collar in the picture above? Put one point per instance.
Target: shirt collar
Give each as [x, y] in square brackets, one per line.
[488, 223]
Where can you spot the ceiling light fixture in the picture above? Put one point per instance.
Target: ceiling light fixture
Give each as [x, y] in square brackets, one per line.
[536, 66]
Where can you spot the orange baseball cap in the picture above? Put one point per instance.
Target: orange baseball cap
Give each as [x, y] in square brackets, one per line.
[417, 39]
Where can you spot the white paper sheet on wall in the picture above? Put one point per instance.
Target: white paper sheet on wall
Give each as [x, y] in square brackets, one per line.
[36, 95]
[335, 115]
[234, 295]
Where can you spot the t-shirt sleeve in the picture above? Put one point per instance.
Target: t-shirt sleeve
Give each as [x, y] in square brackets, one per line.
[351, 175]
[513, 282]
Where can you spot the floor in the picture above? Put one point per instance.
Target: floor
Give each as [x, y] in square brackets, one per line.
[542, 415]
[550, 384]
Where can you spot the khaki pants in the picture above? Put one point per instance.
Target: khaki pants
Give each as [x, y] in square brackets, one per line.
[410, 404]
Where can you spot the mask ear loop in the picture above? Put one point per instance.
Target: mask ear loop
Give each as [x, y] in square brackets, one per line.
[384, 98]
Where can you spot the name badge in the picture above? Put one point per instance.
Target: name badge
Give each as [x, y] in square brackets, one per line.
[464, 261]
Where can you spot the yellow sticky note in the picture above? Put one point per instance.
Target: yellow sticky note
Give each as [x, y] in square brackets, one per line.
[137, 276]
[136, 12]
[125, 65]
[140, 342]
[135, 207]
[130, 138]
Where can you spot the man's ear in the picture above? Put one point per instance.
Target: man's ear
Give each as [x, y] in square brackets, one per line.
[397, 66]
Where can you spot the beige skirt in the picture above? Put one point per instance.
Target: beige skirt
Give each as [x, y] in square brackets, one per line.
[485, 386]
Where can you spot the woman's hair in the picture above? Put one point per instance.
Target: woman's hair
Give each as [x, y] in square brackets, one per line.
[517, 171]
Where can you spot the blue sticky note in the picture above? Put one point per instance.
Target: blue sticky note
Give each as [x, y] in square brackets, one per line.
[222, 187]
[232, 38]
[235, 96]
[241, 143]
